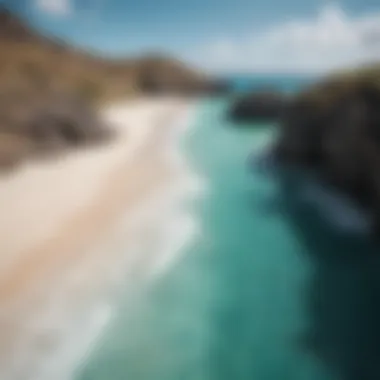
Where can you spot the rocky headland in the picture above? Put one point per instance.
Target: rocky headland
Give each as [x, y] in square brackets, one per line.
[333, 130]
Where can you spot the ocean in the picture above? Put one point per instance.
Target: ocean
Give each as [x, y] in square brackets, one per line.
[264, 290]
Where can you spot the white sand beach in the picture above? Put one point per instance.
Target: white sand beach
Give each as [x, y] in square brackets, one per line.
[77, 231]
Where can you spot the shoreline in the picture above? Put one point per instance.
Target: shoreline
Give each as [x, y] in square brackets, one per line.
[91, 241]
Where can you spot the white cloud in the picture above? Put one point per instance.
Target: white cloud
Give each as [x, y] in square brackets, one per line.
[223, 49]
[55, 7]
[328, 41]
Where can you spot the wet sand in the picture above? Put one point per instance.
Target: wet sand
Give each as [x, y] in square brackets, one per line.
[70, 237]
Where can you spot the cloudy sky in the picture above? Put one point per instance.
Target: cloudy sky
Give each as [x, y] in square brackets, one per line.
[221, 35]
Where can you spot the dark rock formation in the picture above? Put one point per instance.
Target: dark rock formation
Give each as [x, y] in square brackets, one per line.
[259, 106]
[49, 124]
[66, 122]
[333, 129]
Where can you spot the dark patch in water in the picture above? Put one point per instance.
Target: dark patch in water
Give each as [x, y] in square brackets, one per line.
[343, 296]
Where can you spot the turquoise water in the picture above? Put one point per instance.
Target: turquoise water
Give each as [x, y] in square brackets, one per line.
[237, 303]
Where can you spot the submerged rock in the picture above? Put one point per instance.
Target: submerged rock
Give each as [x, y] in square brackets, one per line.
[259, 106]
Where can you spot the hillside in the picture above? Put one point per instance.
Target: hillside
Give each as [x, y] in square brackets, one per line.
[32, 61]
[42, 79]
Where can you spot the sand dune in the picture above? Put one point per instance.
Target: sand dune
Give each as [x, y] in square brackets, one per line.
[68, 236]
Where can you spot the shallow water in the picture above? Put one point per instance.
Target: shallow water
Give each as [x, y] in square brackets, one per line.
[264, 292]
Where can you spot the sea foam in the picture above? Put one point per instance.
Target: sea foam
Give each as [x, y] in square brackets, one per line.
[164, 226]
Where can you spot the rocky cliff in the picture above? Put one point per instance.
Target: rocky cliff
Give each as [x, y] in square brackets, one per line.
[333, 129]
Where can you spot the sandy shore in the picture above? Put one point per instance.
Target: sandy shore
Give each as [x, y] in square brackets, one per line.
[74, 230]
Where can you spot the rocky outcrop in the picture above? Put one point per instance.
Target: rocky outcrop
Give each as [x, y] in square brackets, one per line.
[333, 129]
[66, 122]
[258, 106]
[48, 124]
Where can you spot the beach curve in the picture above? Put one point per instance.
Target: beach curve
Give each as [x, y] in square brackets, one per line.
[73, 228]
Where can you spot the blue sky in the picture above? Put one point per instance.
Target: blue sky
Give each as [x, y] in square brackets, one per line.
[221, 35]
